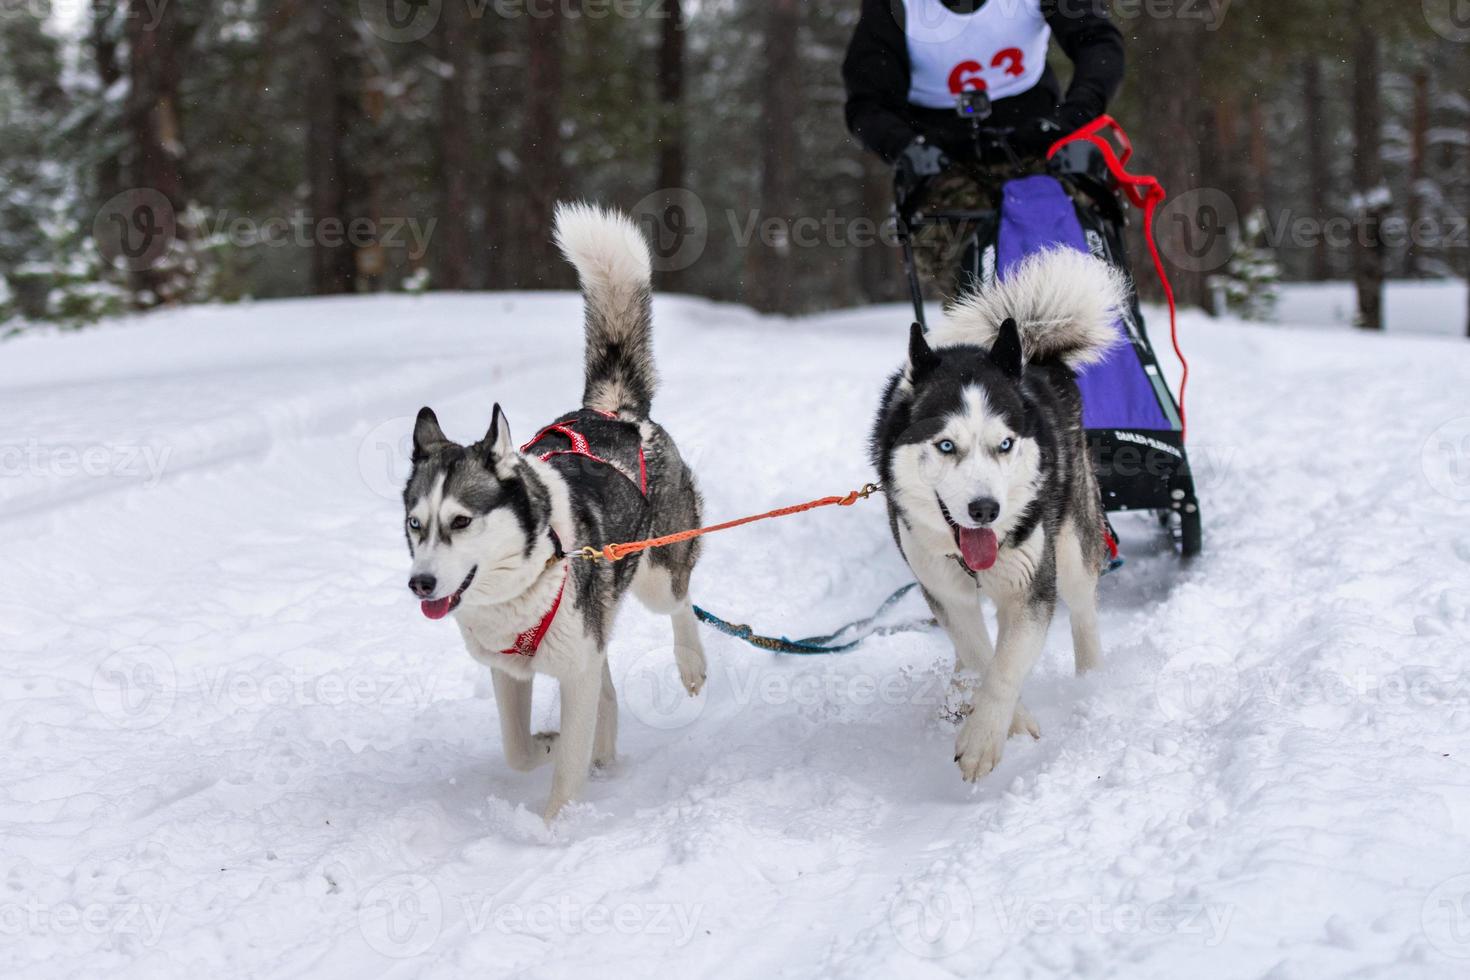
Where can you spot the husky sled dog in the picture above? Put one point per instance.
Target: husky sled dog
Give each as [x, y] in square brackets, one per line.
[980, 447]
[488, 524]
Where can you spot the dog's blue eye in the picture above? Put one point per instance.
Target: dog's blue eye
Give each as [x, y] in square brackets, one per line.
[945, 446]
[459, 523]
[413, 522]
[1006, 444]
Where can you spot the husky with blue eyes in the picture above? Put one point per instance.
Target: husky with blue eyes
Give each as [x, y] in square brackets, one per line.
[490, 524]
[981, 450]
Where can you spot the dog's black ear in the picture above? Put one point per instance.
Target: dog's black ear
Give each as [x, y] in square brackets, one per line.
[1005, 353]
[498, 438]
[922, 358]
[427, 436]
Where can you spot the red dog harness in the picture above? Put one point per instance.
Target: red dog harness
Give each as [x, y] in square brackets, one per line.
[578, 445]
[529, 641]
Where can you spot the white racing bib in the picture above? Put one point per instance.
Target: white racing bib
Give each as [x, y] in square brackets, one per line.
[999, 49]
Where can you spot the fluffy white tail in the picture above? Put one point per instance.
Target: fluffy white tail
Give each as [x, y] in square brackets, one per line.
[1065, 302]
[612, 262]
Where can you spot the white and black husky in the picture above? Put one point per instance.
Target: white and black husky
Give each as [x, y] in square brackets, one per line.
[488, 523]
[980, 447]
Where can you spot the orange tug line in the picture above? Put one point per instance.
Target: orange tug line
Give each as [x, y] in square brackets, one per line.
[617, 552]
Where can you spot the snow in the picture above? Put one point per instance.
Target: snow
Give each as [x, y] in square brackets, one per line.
[233, 747]
[1429, 307]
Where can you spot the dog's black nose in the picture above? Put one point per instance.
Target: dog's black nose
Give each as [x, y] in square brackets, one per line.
[984, 510]
[422, 585]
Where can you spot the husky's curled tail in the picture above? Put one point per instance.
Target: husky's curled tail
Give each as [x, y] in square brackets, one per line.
[612, 263]
[1065, 303]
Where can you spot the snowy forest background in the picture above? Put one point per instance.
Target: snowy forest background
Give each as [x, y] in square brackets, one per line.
[158, 152]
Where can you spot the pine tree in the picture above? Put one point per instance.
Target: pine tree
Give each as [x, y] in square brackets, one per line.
[298, 112]
[31, 109]
[9, 315]
[1251, 283]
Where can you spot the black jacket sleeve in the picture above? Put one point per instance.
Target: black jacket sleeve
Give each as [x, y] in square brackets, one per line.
[876, 74]
[1095, 45]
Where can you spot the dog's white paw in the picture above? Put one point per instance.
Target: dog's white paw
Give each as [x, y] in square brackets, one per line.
[533, 753]
[691, 669]
[981, 742]
[1022, 722]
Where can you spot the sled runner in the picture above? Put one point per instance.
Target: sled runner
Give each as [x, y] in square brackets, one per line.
[1135, 425]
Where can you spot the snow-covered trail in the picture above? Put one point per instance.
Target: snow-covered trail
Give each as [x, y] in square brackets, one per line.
[233, 747]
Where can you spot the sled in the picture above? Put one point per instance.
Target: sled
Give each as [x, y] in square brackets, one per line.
[1134, 424]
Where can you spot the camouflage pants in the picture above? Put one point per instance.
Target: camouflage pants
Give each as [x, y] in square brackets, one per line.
[939, 247]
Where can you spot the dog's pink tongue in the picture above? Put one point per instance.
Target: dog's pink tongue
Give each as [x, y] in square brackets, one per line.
[436, 608]
[978, 546]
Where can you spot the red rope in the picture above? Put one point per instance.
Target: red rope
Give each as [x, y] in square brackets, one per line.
[617, 552]
[1147, 194]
